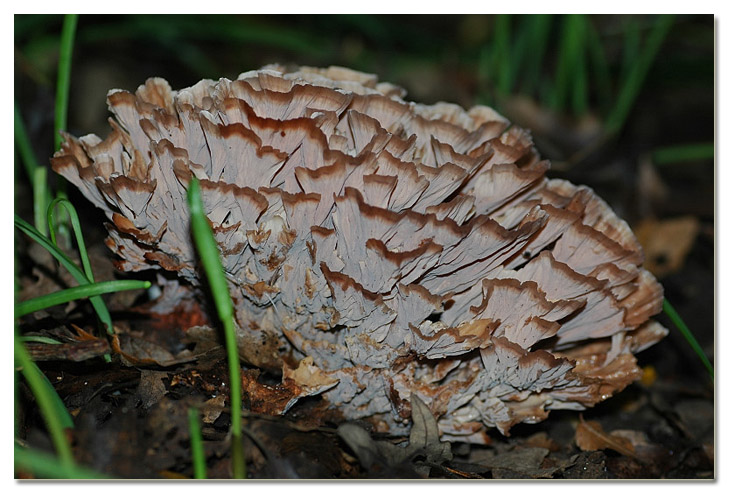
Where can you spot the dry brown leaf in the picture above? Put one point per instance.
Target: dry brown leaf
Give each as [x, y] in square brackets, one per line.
[423, 440]
[589, 435]
[141, 352]
[667, 242]
[212, 409]
[151, 387]
[541, 439]
[79, 347]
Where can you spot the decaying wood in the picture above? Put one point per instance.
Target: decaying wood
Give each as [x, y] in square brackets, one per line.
[377, 248]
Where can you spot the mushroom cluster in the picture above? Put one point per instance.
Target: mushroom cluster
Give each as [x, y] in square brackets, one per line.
[377, 248]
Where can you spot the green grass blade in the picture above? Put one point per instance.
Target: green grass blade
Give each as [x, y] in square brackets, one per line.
[484, 75]
[23, 145]
[561, 83]
[76, 225]
[637, 73]
[209, 257]
[631, 46]
[36, 173]
[81, 292]
[41, 195]
[68, 32]
[58, 408]
[684, 153]
[47, 466]
[520, 49]
[39, 339]
[539, 27]
[580, 71]
[196, 444]
[502, 63]
[687, 334]
[96, 301]
[55, 416]
[599, 63]
[570, 72]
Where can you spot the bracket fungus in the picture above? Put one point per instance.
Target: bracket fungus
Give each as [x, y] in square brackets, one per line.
[377, 248]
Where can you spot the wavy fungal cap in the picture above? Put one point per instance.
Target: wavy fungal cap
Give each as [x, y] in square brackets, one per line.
[378, 248]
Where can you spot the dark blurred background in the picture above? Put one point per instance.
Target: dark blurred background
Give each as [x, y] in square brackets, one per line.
[622, 103]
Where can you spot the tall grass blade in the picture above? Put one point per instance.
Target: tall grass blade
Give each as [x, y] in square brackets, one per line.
[76, 225]
[571, 72]
[580, 71]
[41, 195]
[637, 73]
[539, 27]
[484, 74]
[601, 72]
[44, 465]
[684, 153]
[51, 407]
[36, 173]
[68, 32]
[502, 58]
[23, 145]
[58, 407]
[631, 46]
[209, 257]
[39, 339]
[196, 444]
[519, 51]
[562, 82]
[81, 292]
[687, 334]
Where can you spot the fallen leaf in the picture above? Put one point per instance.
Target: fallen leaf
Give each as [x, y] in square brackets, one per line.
[667, 242]
[589, 435]
[541, 439]
[151, 387]
[358, 439]
[78, 351]
[141, 352]
[425, 434]
[75, 348]
[423, 440]
[642, 447]
[212, 409]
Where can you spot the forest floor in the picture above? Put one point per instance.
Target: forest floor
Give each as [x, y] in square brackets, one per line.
[131, 415]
